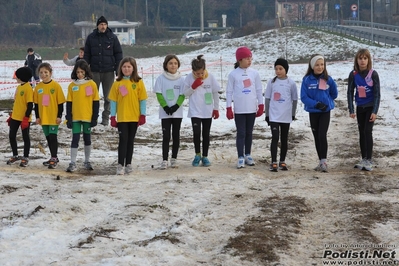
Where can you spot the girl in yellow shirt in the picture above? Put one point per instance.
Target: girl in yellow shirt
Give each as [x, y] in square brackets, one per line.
[21, 115]
[82, 107]
[128, 99]
[49, 102]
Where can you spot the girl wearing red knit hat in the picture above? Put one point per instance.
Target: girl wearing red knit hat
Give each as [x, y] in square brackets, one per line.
[244, 87]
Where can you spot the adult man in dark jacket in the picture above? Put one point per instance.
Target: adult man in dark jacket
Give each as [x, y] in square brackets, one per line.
[33, 60]
[103, 52]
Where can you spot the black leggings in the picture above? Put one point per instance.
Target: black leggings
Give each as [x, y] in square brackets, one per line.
[76, 139]
[279, 129]
[206, 131]
[245, 126]
[14, 126]
[167, 124]
[319, 123]
[365, 131]
[127, 133]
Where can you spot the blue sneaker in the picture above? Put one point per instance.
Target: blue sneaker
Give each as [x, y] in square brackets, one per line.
[196, 160]
[205, 161]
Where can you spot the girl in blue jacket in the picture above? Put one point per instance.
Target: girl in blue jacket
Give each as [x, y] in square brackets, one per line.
[318, 91]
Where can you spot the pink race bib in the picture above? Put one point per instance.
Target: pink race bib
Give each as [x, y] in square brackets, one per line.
[46, 100]
[123, 90]
[89, 91]
[361, 91]
[322, 84]
[276, 96]
[247, 83]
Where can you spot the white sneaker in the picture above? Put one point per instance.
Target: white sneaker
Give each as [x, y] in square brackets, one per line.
[360, 164]
[173, 163]
[248, 160]
[128, 169]
[164, 165]
[317, 168]
[240, 162]
[120, 170]
[323, 167]
[368, 165]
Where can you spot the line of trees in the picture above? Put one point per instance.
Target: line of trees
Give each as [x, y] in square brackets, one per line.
[50, 23]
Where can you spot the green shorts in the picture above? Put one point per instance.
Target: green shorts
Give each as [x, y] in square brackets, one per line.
[50, 129]
[78, 126]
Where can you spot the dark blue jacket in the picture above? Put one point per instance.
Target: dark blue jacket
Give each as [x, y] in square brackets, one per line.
[103, 52]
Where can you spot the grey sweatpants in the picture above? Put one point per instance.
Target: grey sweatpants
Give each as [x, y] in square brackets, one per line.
[106, 79]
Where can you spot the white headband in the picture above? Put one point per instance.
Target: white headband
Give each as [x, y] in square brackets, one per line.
[314, 59]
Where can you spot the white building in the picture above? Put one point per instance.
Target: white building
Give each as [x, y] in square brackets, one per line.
[124, 30]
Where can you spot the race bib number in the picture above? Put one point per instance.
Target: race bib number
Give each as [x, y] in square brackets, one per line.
[46, 100]
[361, 91]
[123, 91]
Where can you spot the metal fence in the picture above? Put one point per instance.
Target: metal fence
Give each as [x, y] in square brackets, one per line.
[386, 34]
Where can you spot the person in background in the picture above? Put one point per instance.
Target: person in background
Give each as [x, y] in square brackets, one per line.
[103, 53]
[21, 115]
[364, 84]
[169, 90]
[244, 88]
[81, 111]
[49, 100]
[318, 91]
[128, 98]
[33, 60]
[203, 91]
[281, 99]
[72, 61]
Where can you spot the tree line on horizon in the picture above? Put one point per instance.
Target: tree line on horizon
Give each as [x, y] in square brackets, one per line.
[50, 23]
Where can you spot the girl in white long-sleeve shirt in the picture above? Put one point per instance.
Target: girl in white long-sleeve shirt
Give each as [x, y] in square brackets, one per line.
[281, 99]
[203, 91]
[244, 88]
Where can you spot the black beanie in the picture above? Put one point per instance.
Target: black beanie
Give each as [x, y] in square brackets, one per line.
[24, 74]
[282, 62]
[101, 20]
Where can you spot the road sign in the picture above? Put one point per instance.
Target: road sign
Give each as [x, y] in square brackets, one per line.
[336, 6]
[353, 7]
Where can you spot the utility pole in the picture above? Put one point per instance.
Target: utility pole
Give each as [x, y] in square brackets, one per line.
[372, 26]
[202, 16]
[124, 8]
[146, 12]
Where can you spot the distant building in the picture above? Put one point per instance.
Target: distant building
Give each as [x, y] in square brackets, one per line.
[124, 30]
[289, 11]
